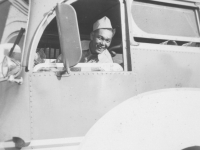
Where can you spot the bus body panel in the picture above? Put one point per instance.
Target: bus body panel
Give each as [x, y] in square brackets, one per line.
[168, 67]
[14, 110]
[71, 105]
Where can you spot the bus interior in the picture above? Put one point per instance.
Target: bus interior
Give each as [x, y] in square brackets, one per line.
[88, 12]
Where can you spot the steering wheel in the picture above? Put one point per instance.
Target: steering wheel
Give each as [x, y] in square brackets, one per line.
[114, 49]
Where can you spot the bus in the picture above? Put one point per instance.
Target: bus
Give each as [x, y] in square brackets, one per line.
[53, 105]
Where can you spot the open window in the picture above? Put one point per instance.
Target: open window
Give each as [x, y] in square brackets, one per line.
[168, 23]
[88, 12]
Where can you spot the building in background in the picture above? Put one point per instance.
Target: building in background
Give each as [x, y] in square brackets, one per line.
[13, 16]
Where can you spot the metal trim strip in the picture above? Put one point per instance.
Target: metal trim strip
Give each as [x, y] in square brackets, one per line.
[62, 142]
[178, 2]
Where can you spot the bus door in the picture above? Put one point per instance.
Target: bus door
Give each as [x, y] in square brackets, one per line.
[68, 104]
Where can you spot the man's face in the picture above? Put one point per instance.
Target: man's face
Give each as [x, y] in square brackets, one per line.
[100, 40]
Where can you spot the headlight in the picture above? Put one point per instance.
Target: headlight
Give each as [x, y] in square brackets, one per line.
[10, 66]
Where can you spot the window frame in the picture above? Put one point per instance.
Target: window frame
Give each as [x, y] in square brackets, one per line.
[38, 34]
[137, 32]
[47, 19]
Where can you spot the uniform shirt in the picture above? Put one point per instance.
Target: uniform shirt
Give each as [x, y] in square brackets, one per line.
[88, 57]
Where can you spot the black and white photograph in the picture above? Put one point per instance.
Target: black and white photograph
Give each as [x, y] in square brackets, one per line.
[99, 74]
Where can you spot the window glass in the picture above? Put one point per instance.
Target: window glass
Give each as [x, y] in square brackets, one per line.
[165, 19]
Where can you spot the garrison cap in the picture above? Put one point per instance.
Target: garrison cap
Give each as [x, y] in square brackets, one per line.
[103, 23]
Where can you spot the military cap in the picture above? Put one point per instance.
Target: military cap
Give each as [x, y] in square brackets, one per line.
[103, 23]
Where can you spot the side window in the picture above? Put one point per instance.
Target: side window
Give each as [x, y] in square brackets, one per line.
[165, 23]
[48, 54]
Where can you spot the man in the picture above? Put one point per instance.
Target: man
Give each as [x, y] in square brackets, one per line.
[101, 38]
